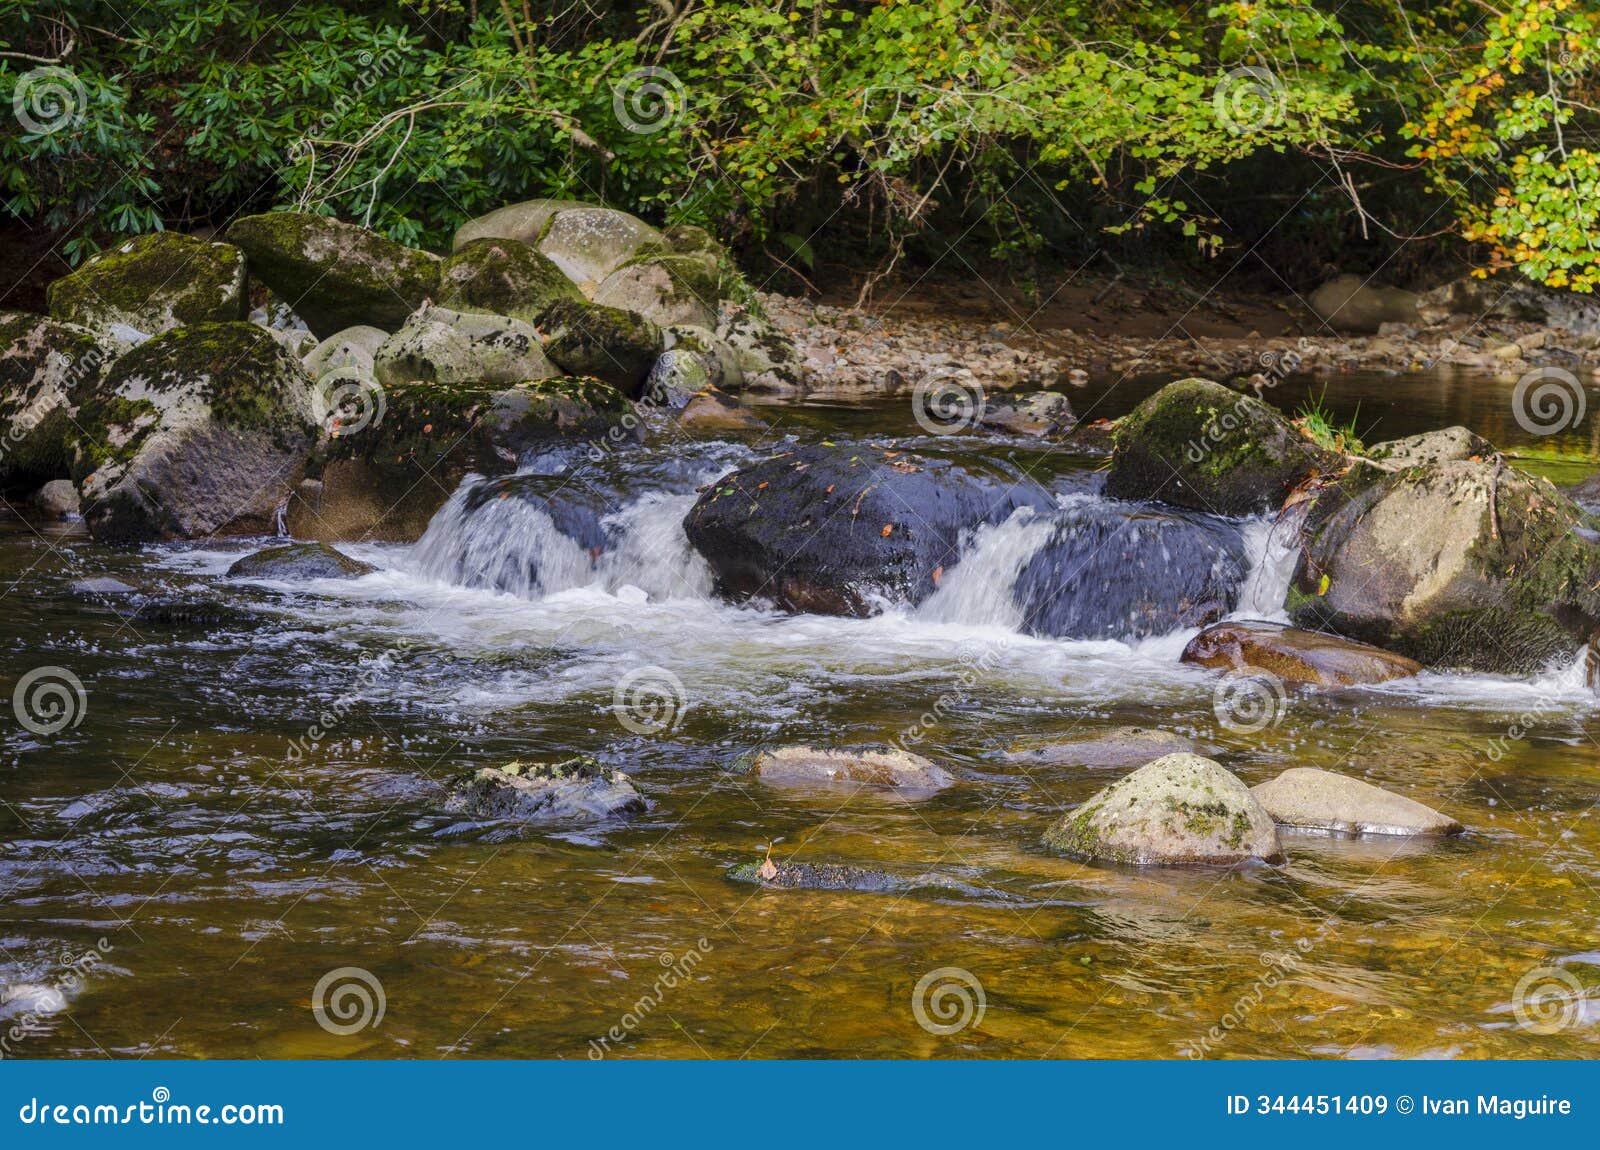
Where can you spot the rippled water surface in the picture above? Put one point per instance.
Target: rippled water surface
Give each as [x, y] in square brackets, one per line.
[253, 798]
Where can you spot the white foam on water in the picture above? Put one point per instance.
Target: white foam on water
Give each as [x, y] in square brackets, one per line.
[1272, 549]
[978, 590]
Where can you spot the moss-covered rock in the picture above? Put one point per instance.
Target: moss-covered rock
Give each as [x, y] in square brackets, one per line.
[200, 430]
[333, 274]
[502, 277]
[439, 345]
[607, 343]
[666, 289]
[1182, 808]
[574, 789]
[1199, 445]
[1469, 564]
[46, 369]
[767, 357]
[153, 284]
[296, 561]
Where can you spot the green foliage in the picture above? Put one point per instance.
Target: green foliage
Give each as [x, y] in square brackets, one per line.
[1318, 424]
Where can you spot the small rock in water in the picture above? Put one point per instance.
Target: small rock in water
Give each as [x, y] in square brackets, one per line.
[815, 876]
[1294, 656]
[1179, 809]
[575, 788]
[101, 585]
[1043, 413]
[57, 499]
[871, 766]
[1322, 800]
[1118, 747]
[299, 561]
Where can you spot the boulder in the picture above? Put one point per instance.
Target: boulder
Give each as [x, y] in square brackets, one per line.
[1179, 809]
[353, 350]
[1295, 657]
[1463, 564]
[524, 222]
[1586, 494]
[677, 376]
[1446, 446]
[438, 345]
[1199, 445]
[298, 561]
[666, 289]
[1124, 571]
[767, 357]
[57, 500]
[387, 481]
[46, 368]
[880, 766]
[836, 530]
[1324, 801]
[619, 347]
[720, 359]
[153, 284]
[714, 412]
[578, 788]
[589, 243]
[1041, 413]
[336, 275]
[1117, 747]
[502, 277]
[1350, 303]
[203, 429]
[817, 876]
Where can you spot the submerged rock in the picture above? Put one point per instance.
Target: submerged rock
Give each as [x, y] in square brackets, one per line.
[834, 530]
[299, 561]
[438, 345]
[1452, 443]
[502, 277]
[1042, 413]
[1463, 564]
[1350, 303]
[716, 412]
[1118, 747]
[102, 585]
[202, 614]
[878, 766]
[203, 429]
[1179, 809]
[334, 274]
[817, 876]
[575, 788]
[1322, 800]
[1295, 656]
[1199, 445]
[610, 344]
[1121, 571]
[154, 283]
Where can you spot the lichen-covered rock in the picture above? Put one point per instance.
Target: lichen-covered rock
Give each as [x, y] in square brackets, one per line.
[720, 359]
[1349, 303]
[387, 481]
[1199, 445]
[1448, 445]
[767, 357]
[1117, 747]
[352, 350]
[578, 788]
[838, 530]
[46, 368]
[1179, 809]
[677, 376]
[296, 561]
[607, 343]
[524, 222]
[1322, 800]
[153, 284]
[334, 274]
[876, 766]
[438, 345]
[502, 277]
[589, 243]
[56, 500]
[1295, 657]
[1041, 413]
[1464, 564]
[666, 289]
[203, 429]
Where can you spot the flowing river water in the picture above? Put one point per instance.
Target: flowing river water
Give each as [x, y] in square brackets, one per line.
[251, 800]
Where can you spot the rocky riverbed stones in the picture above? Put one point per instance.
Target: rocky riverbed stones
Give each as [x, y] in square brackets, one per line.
[577, 789]
[877, 766]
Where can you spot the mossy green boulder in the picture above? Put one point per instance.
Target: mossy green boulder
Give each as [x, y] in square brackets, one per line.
[334, 274]
[202, 429]
[439, 345]
[154, 283]
[1465, 564]
[46, 368]
[607, 343]
[502, 277]
[668, 289]
[297, 561]
[1181, 808]
[1200, 445]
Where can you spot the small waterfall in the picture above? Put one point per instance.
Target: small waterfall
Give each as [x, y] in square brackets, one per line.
[979, 590]
[1272, 546]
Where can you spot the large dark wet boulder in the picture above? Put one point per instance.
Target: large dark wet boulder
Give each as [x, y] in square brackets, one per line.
[203, 429]
[1113, 570]
[154, 283]
[46, 369]
[1200, 445]
[296, 561]
[333, 274]
[1294, 656]
[1466, 564]
[836, 529]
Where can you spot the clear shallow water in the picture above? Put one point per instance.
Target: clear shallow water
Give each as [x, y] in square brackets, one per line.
[249, 804]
